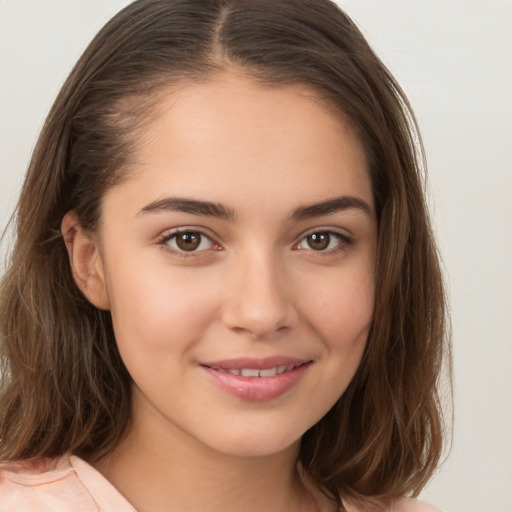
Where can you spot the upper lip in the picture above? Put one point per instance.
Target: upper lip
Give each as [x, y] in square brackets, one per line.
[255, 363]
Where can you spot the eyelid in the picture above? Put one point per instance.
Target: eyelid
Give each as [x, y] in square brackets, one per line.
[345, 239]
[168, 235]
[342, 235]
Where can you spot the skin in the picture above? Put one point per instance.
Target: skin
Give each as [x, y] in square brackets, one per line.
[255, 287]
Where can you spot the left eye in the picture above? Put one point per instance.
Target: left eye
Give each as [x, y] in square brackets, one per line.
[320, 241]
[189, 241]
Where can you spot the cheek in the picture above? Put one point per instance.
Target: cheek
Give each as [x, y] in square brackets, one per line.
[158, 311]
[339, 313]
[342, 312]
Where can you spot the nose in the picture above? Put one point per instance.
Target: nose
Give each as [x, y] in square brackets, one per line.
[260, 299]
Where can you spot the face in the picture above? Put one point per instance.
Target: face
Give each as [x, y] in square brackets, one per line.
[238, 264]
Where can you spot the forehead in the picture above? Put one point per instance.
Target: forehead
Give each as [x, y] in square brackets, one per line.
[231, 138]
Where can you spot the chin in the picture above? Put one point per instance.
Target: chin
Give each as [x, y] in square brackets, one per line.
[259, 443]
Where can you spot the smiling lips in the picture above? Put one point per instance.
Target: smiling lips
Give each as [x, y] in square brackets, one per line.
[253, 372]
[257, 380]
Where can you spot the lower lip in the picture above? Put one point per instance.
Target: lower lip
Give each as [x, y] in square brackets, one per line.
[257, 389]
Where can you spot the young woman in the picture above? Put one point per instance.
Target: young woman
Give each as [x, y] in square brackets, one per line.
[224, 293]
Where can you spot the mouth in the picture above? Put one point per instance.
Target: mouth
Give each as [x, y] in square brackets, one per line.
[257, 380]
[258, 372]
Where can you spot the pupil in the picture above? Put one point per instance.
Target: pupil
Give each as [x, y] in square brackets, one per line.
[188, 241]
[319, 241]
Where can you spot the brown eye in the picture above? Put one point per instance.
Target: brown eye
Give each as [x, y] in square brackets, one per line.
[318, 241]
[323, 241]
[189, 241]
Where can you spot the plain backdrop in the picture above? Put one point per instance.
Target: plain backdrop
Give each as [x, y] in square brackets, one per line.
[454, 60]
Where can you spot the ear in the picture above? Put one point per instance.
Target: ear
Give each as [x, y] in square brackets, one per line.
[86, 262]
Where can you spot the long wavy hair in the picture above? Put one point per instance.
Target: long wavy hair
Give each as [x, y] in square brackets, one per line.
[64, 386]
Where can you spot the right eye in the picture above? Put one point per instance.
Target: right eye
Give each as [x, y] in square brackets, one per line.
[188, 241]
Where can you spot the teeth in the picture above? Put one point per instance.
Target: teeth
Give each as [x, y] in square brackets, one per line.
[247, 372]
[253, 372]
[270, 372]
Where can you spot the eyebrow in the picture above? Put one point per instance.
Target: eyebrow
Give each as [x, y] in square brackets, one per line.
[330, 206]
[193, 206]
[212, 209]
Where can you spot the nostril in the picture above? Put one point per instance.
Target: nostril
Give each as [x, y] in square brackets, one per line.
[259, 323]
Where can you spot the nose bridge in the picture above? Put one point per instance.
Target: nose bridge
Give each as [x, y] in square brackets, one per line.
[259, 300]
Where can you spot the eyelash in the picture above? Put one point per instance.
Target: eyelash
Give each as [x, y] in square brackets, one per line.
[166, 238]
[343, 242]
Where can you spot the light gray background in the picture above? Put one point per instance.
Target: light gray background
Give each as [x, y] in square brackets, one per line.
[454, 59]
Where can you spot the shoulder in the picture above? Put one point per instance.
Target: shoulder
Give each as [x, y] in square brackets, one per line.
[410, 505]
[403, 505]
[43, 485]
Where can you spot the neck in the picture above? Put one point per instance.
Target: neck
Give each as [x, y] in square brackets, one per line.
[162, 470]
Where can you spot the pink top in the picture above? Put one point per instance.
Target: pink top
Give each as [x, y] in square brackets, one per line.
[70, 484]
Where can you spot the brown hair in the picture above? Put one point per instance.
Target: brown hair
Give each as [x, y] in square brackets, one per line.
[64, 386]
